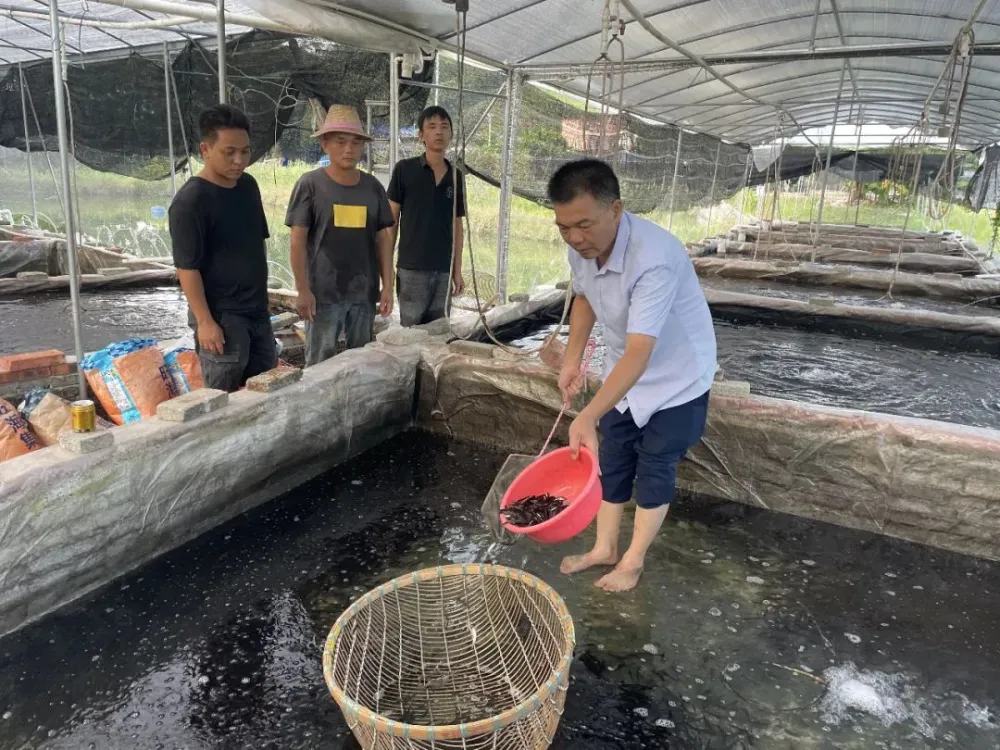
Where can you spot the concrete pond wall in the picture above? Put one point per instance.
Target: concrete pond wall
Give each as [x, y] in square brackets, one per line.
[70, 523]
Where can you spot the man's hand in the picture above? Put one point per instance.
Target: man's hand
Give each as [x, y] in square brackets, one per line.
[570, 381]
[305, 303]
[583, 432]
[385, 304]
[210, 337]
[457, 283]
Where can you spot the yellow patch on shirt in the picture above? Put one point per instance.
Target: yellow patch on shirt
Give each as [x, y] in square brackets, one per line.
[350, 217]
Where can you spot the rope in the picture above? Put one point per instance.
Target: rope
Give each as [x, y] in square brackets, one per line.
[461, 28]
[608, 38]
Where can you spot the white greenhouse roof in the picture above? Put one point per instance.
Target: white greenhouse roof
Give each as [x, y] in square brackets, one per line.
[780, 54]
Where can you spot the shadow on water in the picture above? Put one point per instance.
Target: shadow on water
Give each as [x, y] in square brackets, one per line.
[750, 629]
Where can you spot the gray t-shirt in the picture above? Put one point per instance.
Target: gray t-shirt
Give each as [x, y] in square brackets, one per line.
[342, 222]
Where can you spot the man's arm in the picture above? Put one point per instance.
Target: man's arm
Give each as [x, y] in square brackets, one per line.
[298, 218]
[581, 322]
[456, 267]
[396, 208]
[395, 195]
[383, 251]
[299, 256]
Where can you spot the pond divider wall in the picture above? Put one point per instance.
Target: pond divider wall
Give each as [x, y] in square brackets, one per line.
[929, 482]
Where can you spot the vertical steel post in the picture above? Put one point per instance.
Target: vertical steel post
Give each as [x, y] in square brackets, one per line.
[62, 131]
[515, 82]
[673, 182]
[746, 188]
[711, 193]
[170, 120]
[437, 78]
[220, 35]
[27, 145]
[393, 111]
[854, 165]
[829, 155]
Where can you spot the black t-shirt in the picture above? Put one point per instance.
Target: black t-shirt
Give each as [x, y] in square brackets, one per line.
[221, 232]
[425, 219]
[343, 223]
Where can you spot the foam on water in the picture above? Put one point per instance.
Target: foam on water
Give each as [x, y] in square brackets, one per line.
[886, 697]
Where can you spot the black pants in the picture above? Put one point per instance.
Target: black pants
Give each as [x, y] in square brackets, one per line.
[249, 350]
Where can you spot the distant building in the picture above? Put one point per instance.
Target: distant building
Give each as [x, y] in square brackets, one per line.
[616, 134]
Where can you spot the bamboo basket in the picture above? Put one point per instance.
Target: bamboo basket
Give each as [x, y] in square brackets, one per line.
[457, 657]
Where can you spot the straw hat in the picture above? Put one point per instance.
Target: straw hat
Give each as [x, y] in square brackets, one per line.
[342, 118]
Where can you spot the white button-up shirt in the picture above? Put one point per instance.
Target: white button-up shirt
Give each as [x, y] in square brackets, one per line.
[649, 286]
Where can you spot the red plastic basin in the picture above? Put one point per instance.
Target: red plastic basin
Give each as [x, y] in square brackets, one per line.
[558, 473]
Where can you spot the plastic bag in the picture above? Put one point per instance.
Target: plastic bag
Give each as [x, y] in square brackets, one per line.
[16, 437]
[50, 416]
[185, 370]
[129, 378]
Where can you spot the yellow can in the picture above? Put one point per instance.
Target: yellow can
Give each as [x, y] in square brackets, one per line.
[84, 416]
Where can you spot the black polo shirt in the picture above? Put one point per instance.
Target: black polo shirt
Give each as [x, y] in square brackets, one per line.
[425, 218]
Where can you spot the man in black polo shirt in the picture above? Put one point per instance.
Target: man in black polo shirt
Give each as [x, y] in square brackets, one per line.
[421, 194]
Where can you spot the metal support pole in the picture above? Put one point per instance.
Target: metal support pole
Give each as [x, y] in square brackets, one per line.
[487, 114]
[711, 193]
[393, 111]
[812, 38]
[854, 166]
[829, 155]
[368, 129]
[27, 146]
[220, 34]
[62, 131]
[746, 188]
[511, 110]
[673, 182]
[437, 78]
[170, 120]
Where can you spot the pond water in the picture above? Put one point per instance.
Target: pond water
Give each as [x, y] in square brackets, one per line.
[44, 321]
[749, 629]
[854, 373]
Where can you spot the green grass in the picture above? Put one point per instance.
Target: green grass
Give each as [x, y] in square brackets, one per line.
[117, 210]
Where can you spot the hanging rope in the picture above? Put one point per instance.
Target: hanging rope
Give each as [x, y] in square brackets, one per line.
[609, 36]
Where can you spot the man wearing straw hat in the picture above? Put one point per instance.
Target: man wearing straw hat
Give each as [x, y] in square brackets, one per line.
[637, 280]
[342, 237]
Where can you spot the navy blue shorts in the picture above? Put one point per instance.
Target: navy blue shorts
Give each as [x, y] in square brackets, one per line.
[647, 457]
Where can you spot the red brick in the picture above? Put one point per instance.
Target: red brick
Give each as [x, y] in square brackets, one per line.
[64, 369]
[32, 360]
[36, 374]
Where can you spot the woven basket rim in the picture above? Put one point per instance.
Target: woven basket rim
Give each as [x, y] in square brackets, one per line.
[558, 679]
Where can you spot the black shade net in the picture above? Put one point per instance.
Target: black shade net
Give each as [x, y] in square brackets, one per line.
[118, 109]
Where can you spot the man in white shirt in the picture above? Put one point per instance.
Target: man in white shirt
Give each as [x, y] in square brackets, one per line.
[636, 279]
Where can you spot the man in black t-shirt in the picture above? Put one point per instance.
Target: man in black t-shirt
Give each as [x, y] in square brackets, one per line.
[218, 229]
[429, 215]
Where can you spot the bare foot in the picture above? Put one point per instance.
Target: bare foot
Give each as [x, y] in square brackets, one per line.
[576, 563]
[622, 578]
